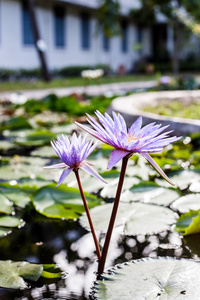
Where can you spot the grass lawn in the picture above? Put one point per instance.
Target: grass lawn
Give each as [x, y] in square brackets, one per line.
[69, 82]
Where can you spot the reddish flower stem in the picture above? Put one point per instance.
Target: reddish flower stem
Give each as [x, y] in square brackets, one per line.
[113, 216]
[88, 214]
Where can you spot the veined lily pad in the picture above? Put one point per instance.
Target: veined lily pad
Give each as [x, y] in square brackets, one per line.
[189, 223]
[161, 278]
[136, 218]
[14, 274]
[186, 203]
[150, 192]
[62, 202]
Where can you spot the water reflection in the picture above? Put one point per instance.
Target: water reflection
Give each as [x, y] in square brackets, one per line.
[71, 247]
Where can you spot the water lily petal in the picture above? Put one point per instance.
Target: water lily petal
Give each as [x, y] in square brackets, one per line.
[64, 174]
[85, 166]
[156, 167]
[115, 157]
[61, 165]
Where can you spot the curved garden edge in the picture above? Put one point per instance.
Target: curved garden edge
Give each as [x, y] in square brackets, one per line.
[130, 107]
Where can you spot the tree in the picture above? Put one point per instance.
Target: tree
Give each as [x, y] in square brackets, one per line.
[38, 41]
[108, 17]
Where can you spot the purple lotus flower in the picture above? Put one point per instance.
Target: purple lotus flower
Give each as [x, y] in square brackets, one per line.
[73, 155]
[127, 142]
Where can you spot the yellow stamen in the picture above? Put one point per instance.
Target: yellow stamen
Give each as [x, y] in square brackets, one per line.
[133, 138]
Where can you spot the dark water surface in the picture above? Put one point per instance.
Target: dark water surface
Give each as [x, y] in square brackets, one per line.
[71, 247]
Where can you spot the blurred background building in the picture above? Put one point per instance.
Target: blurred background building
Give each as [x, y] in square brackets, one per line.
[68, 36]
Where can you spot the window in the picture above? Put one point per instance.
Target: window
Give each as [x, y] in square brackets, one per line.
[124, 44]
[27, 31]
[85, 31]
[106, 43]
[59, 27]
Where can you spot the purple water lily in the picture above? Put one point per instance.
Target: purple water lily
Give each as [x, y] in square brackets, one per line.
[73, 155]
[136, 139]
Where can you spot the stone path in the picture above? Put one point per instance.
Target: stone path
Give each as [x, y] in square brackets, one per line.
[109, 89]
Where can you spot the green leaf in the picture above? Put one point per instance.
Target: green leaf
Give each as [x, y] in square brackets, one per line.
[12, 274]
[135, 218]
[150, 192]
[160, 278]
[10, 221]
[35, 138]
[15, 194]
[62, 202]
[182, 179]
[6, 205]
[20, 166]
[15, 123]
[186, 203]
[189, 223]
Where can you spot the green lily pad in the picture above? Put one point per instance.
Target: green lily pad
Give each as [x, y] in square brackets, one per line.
[6, 205]
[20, 166]
[63, 202]
[15, 123]
[160, 278]
[150, 192]
[186, 203]
[189, 223]
[35, 138]
[13, 274]
[7, 223]
[135, 218]
[181, 179]
[46, 151]
[19, 196]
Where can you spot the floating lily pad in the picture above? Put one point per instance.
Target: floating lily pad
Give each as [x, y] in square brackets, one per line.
[63, 202]
[19, 196]
[15, 123]
[189, 223]
[7, 223]
[181, 179]
[46, 151]
[150, 192]
[20, 166]
[161, 278]
[186, 203]
[6, 205]
[14, 274]
[136, 218]
[35, 138]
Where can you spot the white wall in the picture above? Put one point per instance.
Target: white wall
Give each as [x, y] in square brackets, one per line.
[14, 54]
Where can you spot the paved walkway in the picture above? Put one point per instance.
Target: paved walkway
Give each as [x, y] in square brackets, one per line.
[109, 89]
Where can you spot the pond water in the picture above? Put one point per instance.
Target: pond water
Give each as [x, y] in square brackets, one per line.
[67, 244]
[44, 239]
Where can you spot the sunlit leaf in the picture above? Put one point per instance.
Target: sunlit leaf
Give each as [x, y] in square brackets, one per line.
[161, 278]
[35, 138]
[189, 223]
[20, 166]
[135, 218]
[150, 192]
[16, 194]
[62, 202]
[13, 275]
[6, 205]
[181, 179]
[186, 203]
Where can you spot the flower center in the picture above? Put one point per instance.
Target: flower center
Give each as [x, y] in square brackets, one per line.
[133, 138]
